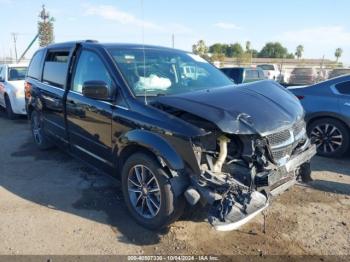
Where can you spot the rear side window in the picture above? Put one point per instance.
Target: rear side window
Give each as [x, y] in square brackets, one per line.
[56, 67]
[343, 88]
[34, 69]
[16, 73]
[252, 74]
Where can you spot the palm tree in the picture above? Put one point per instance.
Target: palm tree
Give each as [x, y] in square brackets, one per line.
[338, 53]
[299, 51]
[247, 46]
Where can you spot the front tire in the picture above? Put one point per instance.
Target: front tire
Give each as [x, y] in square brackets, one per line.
[331, 137]
[148, 193]
[36, 125]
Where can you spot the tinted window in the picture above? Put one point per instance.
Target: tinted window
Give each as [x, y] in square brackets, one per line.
[34, 69]
[16, 73]
[89, 68]
[234, 73]
[58, 56]
[343, 88]
[251, 74]
[266, 67]
[55, 68]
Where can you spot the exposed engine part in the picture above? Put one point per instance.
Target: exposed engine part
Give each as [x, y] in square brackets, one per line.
[223, 140]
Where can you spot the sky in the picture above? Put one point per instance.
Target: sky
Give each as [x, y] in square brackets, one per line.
[320, 26]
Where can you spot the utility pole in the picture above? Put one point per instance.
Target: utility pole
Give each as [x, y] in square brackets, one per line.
[14, 35]
[173, 40]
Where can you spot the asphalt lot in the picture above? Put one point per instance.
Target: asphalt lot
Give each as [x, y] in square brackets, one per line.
[52, 204]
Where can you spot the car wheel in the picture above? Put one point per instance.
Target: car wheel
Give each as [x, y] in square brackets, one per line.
[148, 193]
[9, 111]
[40, 138]
[330, 136]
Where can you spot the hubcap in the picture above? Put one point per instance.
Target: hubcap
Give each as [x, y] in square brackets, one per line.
[36, 130]
[327, 138]
[144, 191]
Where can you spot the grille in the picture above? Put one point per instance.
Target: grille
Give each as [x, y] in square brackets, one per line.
[280, 146]
[280, 153]
[279, 137]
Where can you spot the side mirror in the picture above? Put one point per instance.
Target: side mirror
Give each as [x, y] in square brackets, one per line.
[96, 90]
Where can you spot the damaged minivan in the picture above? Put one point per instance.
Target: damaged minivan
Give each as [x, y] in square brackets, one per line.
[171, 126]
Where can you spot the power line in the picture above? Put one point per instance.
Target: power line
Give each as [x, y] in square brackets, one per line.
[14, 35]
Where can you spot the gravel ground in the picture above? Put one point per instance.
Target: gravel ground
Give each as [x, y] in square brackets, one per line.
[52, 204]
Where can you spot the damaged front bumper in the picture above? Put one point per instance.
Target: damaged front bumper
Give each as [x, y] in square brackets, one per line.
[234, 204]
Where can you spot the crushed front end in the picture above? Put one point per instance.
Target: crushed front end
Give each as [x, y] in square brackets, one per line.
[239, 173]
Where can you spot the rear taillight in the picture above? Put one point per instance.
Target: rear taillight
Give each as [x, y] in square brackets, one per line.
[27, 89]
[300, 97]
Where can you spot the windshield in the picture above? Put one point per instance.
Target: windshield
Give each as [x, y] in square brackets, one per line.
[303, 71]
[17, 73]
[266, 67]
[163, 72]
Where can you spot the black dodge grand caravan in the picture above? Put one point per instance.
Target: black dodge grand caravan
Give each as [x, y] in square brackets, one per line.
[171, 126]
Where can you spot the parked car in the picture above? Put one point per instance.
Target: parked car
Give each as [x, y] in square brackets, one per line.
[271, 71]
[338, 72]
[327, 109]
[130, 110]
[242, 75]
[12, 89]
[304, 76]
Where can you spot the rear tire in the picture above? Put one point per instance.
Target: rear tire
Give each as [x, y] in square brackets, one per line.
[330, 135]
[9, 111]
[40, 138]
[148, 193]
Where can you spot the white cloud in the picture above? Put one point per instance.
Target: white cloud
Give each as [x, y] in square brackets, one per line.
[225, 25]
[319, 41]
[325, 36]
[112, 13]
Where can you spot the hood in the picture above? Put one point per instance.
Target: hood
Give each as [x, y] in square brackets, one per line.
[256, 108]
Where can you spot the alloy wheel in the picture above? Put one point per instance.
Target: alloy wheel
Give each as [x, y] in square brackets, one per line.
[144, 191]
[328, 138]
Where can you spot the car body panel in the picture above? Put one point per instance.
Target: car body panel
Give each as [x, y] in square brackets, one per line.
[242, 75]
[187, 133]
[229, 109]
[14, 89]
[323, 100]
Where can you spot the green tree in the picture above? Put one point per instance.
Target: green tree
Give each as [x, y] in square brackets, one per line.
[234, 50]
[273, 50]
[45, 28]
[338, 53]
[299, 51]
[255, 53]
[200, 48]
[290, 56]
[217, 48]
